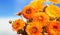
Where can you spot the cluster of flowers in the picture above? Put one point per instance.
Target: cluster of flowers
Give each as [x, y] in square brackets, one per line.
[41, 19]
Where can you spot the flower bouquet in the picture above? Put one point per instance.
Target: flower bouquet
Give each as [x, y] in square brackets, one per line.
[41, 19]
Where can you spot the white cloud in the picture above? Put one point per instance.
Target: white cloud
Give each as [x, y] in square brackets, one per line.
[5, 27]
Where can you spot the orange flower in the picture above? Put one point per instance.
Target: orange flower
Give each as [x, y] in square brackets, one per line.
[28, 11]
[53, 11]
[18, 24]
[37, 4]
[53, 28]
[41, 17]
[55, 1]
[34, 28]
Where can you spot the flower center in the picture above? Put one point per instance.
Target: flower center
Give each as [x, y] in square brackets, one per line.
[55, 27]
[17, 25]
[34, 30]
[41, 18]
[28, 11]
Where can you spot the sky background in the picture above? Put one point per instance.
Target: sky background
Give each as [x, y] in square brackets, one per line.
[8, 8]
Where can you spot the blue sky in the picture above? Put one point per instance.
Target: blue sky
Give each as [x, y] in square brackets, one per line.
[10, 7]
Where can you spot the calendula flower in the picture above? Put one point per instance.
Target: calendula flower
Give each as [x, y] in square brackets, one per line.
[28, 11]
[34, 28]
[37, 5]
[18, 24]
[41, 17]
[53, 28]
[54, 1]
[53, 11]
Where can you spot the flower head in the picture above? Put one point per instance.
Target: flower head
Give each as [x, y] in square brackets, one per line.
[37, 4]
[18, 24]
[28, 11]
[53, 28]
[34, 28]
[53, 11]
[41, 17]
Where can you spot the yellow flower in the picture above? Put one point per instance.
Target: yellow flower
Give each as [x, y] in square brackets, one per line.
[53, 11]
[18, 24]
[34, 28]
[37, 4]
